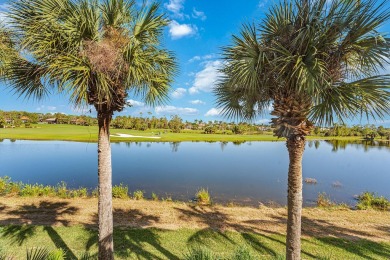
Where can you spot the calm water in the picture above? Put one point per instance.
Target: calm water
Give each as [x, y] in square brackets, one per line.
[245, 173]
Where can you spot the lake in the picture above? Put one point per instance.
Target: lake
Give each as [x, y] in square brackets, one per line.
[244, 173]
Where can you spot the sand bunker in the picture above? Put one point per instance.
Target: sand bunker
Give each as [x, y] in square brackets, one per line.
[135, 136]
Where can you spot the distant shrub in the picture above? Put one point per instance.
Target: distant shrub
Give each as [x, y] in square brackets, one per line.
[62, 190]
[79, 193]
[368, 200]
[120, 191]
[48, 191]
[200, 254]
[95, 193]
[154, 196]
[203, 196]
[324, 201]
[168, 198]
[14, 188]
[31, 190]
[310, 181]
[138, 195]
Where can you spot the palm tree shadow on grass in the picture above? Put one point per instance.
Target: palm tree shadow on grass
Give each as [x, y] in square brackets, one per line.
[352, 239]
[259, 237]
[131, 242]
[217, 222]
[45, 213]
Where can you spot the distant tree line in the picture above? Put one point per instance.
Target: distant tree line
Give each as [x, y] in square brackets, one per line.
[177, 125]
[368, 131]
[19, 118]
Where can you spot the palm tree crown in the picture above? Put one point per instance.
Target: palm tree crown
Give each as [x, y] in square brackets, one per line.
[324, 57]
[96, 51]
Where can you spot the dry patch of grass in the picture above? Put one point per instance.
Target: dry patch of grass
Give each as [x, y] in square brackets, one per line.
[316, 222]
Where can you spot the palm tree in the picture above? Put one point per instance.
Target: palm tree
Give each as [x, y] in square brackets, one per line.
[96, 52]
[315, 62]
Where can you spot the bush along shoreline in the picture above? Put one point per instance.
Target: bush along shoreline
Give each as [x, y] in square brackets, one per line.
[8, 188]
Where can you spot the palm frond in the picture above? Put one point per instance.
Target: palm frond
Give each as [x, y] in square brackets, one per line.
[369, 97]
[116, 13]
[328, 53]
[27, 79]
[149, 24]
[243, 90]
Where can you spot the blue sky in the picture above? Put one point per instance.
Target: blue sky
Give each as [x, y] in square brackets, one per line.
[198, 30]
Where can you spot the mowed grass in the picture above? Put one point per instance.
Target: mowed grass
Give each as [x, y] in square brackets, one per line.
[89, 134]
[169, 244]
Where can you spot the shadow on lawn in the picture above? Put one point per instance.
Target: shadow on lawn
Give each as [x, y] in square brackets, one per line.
[257, 236]
[48, 213]
[144, 243]
[131, 242]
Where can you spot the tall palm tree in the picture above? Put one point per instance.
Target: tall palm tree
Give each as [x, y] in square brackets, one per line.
[315, 62]
[96, 52]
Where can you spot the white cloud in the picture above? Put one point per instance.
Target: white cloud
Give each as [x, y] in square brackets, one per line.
[205, 57]
[176, 7]
[172, 110]
[47, 108]
[213, 112]
[262, 3]
[197, 102]
[135, 103]
[178, 31]
[206, 78]
[198, 14]
[179, 93]
[195, 58]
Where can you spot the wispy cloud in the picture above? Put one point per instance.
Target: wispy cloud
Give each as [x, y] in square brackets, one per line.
[46, 108]
[262, 3]
[179, 93]
[202, 58]
[197, 102]
[176, 7]
[172, 110]
[135, 103]
[198, 14]
[206, 78]
[213, 112]
[177, 30]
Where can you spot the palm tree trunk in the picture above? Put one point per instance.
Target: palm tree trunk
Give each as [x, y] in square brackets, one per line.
[295, 147]
[106, 245]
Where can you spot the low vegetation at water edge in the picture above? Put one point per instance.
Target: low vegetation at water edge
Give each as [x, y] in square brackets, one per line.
[203, 197]
[369, 200]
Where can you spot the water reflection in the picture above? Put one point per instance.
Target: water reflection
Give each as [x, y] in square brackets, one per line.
[174, 146]
[247, 174]
[358, 144]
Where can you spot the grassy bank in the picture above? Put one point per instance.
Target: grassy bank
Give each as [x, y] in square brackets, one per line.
[89, 134]
[174, 244]
[167, 230]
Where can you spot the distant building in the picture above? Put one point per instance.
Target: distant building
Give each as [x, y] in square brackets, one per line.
[51, 121]
[25, 119]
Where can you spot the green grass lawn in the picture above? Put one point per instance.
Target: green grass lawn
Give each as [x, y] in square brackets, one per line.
[168, 244]
[89, 134]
